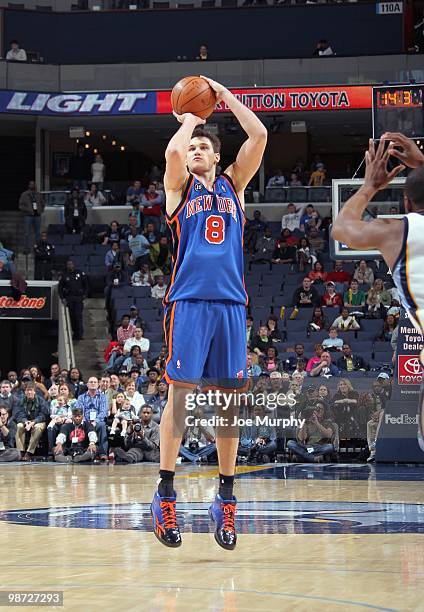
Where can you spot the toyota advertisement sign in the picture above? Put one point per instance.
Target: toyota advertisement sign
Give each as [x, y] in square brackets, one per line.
[410, 370]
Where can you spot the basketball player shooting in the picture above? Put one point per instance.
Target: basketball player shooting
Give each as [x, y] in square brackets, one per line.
[400, 241]
[205, 304]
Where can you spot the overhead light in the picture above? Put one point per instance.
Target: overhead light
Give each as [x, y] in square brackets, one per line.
[104, 136]
[77, 140]
[95, 151]
[87, 133]
[87, 146]
[122, 148]
[113, 143]
[418, 142]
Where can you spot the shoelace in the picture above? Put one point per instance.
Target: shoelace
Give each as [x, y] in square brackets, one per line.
[229, 516]
[169, 514]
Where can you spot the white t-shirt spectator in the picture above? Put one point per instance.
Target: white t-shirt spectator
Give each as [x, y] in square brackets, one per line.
[94, 200]
[159, 292]
[291, 221]
[16, 55]
[97, 172]
[140, 279]
[143, 343]
[336, 343]
[276, 181]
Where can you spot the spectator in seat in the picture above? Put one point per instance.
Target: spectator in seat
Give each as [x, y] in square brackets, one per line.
[364, 274]
[306, 295]
[31, 204]
[142, 444]
[152, 202]
[287, 235]
[31, 416]
[274, 332]
[338, 275]
[8, 451]
[305, 254]
[265, 248]
[159, 290]
[323, 48]
[316, 359]
[333, 342]
[309, 215]
[353, 296]
[95, 408]
[94, 197]
[203, 53]
[15, 53]
[253, 228]
[135, 318]
[43, 255]
[314, 438]
[283, 254]
[262, 341]
[54, 375]
[253, 369]
[198, 442]
[123, 416]
[60, 413]
[159, 401]
[325, 368]
[98, 172]
[270, 362]
[295, 180]
[76, 382]
[137, 340]
[323, 393]
[318, 321]
[390, 324]
[6, 396]
[317, 178]
[125, 330]
[151, 234]
[114, 258]
[112, 234]
[345, 322]
[258, 442]
[290, 363]
[351, 363]
[291, 220]
[76, 442]
[383, 296]
[249, 331]
[134, 193]
[75, 213]
[318, 274]
[316, 241]
[277, 180]
[331, 298]
[160, 255]
[139, 247]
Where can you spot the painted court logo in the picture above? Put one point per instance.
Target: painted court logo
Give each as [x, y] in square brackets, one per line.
[258, 517]
[410, 370]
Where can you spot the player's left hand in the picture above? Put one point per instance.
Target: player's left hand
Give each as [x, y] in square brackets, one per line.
[219, 89]
[377, 176]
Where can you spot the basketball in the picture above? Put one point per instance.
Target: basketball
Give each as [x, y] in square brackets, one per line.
[193, 95]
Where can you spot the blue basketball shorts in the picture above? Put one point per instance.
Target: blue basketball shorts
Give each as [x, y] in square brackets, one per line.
[206, 343]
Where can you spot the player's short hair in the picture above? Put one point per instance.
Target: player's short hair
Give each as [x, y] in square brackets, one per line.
[200, 132]
[414, 187]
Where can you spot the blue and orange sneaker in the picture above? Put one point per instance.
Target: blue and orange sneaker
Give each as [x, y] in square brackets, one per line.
[223, 513]
[164, 518]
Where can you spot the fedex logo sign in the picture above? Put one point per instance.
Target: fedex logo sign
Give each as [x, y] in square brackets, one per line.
[410, 370]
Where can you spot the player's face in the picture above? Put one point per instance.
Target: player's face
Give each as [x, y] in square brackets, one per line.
[200, 156]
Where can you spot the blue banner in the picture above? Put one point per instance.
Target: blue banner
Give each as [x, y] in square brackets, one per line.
[78, 104]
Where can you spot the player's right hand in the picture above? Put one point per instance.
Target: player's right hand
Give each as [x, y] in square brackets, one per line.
[189, 117]
[410, 153]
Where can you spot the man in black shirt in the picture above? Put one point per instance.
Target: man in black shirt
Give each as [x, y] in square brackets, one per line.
[349, 362]
[284, 254]
[31, 415]
[306, 296]
[76, 442]
[43, 254]
[73, 289]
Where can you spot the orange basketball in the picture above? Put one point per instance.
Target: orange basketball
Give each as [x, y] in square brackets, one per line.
[193, 95]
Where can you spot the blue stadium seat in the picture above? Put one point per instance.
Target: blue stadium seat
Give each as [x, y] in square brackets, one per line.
[295, 325]
[142, 292]
[63, 250]
[72, 239]
[269, 291]
[260, 315]
[100, 249]
[97, 260]
[261, 302]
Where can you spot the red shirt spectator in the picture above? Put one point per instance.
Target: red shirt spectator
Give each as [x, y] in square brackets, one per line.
[126, 330]
[330, 297]
[152, 202]
[339, 275]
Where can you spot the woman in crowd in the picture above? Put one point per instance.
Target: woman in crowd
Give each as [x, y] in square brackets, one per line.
[112, 234]
[135, 398]
[38, 378]
[289, 237]
[324, 393]
[76, 383]
[94, 197]
[305, 254]
[270, 362]
[98, 171]
[390, 324]
[382, 296]
[318, 321]
[318, 274]
[364, 274]
[345, 408]
[274, 333]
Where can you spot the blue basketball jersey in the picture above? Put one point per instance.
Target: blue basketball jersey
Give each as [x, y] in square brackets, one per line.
[207, 233]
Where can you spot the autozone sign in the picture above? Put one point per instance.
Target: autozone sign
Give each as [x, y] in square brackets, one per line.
[410, 370]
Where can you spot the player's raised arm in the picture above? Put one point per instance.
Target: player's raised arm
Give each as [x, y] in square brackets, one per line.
[176, 159]
[251, 152]
[382, 234]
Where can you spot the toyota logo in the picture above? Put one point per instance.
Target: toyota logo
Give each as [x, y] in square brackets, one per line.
[413, 365]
